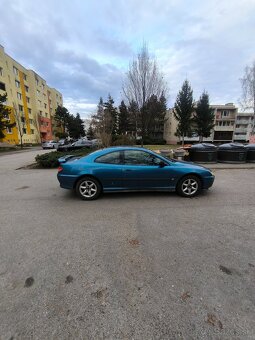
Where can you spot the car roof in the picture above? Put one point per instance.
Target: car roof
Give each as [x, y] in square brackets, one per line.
[104, 151]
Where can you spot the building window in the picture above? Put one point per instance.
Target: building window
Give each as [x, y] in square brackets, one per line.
[15, 70]
[32, 131]
[9, 130]
[24, 130]
[26, 88]
[29, 111]
[20, 108]
[37, 81]
[31, 121]
[40, 113]
[43, 86]
[24, 76]
[45, 106]
[28, 99]
[1, 71]
[38, 92]
[19, 96]
[2, 86]
[23, 120]
[17, 83]
[225, 113]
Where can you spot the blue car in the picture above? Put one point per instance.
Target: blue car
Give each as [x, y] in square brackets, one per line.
[130, 169]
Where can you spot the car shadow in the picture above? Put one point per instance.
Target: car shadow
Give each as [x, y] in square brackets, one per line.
[112, 196]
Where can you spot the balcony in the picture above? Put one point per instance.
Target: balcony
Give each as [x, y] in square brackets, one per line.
[241, 130]
[240, 137]
[43, 129]
[230, 118]
[243, 121]
[223, 128]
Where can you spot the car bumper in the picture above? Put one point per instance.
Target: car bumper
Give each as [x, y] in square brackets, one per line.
[66, 181]
[208, 182]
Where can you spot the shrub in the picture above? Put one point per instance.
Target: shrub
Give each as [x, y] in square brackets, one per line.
[151, 141]
[124, 140]
[50, 159]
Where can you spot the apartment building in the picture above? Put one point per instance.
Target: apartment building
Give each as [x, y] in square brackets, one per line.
[243, 127]
[225, 116]
[31, 101]
[222, 132]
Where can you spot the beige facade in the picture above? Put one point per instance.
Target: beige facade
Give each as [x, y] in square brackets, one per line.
[243, 126]
[32, 101]
[223, 130]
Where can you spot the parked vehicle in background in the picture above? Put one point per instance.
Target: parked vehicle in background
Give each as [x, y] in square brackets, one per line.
[51, 144]
[130, 169]
[62, 142]
[79, 144]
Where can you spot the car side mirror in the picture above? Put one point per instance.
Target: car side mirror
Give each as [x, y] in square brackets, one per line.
[162, 164]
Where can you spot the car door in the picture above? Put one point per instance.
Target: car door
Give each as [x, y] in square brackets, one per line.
[144, 171]
[108, 170]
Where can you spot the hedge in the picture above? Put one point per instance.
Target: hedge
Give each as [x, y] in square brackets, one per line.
[50, 159]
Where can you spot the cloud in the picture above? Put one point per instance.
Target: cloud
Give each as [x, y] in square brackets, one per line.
[83, 48]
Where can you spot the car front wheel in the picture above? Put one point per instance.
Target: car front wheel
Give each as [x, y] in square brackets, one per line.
[189, 186]
[88, 188]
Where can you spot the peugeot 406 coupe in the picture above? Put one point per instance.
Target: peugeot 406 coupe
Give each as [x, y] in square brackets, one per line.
[119, 169]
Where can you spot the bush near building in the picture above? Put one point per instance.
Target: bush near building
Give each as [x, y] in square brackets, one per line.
[50, 159]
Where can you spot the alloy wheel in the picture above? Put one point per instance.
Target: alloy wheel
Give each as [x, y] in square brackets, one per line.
[88, 189]
[189, 186]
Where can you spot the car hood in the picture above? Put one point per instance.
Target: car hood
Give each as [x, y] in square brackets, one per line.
[191, 164]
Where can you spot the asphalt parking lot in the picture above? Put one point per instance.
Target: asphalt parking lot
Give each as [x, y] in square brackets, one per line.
[127, 266]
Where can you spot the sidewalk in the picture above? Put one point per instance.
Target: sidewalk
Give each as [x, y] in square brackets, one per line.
[223, 166]
[18, 150]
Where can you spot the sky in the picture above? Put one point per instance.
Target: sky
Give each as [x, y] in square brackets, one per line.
[83, 48]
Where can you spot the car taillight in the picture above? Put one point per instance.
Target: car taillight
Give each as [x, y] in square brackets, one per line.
[60, 168]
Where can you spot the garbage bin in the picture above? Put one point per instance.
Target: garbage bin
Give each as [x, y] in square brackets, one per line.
[250, 153]
[166, 152]
[203, 153]
[179, 154]
[232, 153]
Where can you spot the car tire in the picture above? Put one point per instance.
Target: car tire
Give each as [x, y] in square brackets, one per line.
[88, 188]
[189, 186]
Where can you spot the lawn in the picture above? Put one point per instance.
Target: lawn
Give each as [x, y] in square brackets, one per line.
[162, 147]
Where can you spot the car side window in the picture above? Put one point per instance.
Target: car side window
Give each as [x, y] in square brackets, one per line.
[137, 157]
[109, 158]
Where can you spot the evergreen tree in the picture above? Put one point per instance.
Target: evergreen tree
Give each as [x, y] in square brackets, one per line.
[134, 118]
[90, 132]
[183, 108]
[75, 126]
[204, 117]
[111, 111]
[4, 115]
[155, 110]
[99, 116]
[62, 116]
[123, 118]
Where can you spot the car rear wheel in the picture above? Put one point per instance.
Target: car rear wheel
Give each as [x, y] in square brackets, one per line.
[88, 188]
[189, 186]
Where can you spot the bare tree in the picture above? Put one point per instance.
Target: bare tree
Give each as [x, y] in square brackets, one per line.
[248, 87]
[143, 80]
